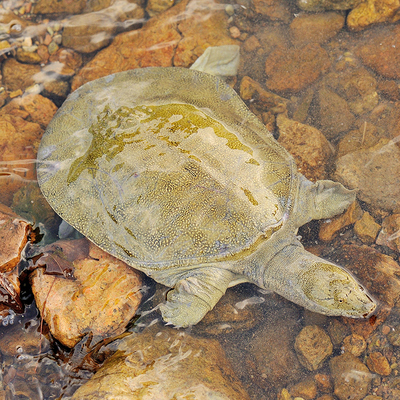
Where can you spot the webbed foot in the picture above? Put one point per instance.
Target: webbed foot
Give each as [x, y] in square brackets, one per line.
[192, 297]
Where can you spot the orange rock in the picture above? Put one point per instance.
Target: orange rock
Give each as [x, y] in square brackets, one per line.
[214, 32]
[14, 233]
[19, 140]
[331, 227]
[34, 108]
[290, 70]
[308, 146]
[17, 75]
[153, 45]
[102, 299]
[378, 363]
[170, 38]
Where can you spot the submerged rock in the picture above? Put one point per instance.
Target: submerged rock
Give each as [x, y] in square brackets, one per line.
[59, 6]
[102, 298]
[380, 51]
[351, 378]
[315, 28]
[375, 172]
[17, 75]
[164, 363]
[89, 32]
[275, 10]
[324, 5]
[373, 12]
[366, 228]
[170, 38]
[313, 346]
[332, 113]
[307, 145]
[290, 70]
[390, 234]
[272, 361]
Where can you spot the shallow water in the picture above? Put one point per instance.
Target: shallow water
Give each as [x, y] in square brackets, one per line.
[326, 87]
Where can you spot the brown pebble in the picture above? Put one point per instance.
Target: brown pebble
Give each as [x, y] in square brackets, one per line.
[366, 228]
[354, 344]
[378, 363]
[324, 383]
[47, 39]
[385, 329]
[234, 31]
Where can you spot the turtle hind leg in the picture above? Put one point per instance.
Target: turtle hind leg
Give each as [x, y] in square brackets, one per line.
[194, 295]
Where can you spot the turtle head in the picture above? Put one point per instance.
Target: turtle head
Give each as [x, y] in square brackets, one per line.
[333, 291]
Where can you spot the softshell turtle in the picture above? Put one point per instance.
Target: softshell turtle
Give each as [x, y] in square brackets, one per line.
[168, 170]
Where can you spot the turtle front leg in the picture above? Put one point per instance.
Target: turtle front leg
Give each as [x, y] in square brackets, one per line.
[196, 293]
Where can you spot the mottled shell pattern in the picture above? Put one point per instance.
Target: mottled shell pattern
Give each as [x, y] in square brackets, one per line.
[163, 167]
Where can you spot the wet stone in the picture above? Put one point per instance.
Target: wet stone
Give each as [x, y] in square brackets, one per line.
[390, 234]
[324, 5]
[17, 75]
[23, 338]
[28, 56]
[306, 389]
[275, 10]
[324, 383]
[38, 109]
[389, 89]
[373, 12]
[380, 51]
[251, 90]
[102, 298]
[365, 136]
[351, 378]
[192, 45]
[307, 145]
[164, 363]
[284, 395]
[29, 202]
[366, 228]
[378, 363]
[377, 181]
[234, 312]
[152, 45]
[272, 361]
[88, 32]
[315, 28]
[337, 331]
[313, 346]
[59, 6]
[354, 344]
[394, 336]
[290, 70]
[331, 227]
[69, 60]
[155, 7]
[357, 86]
[332, 113]
[326, 397]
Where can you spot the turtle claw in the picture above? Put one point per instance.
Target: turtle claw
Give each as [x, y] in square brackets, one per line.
[183, 309]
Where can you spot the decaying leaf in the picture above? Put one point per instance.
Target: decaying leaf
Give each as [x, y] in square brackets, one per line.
[57, 258]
